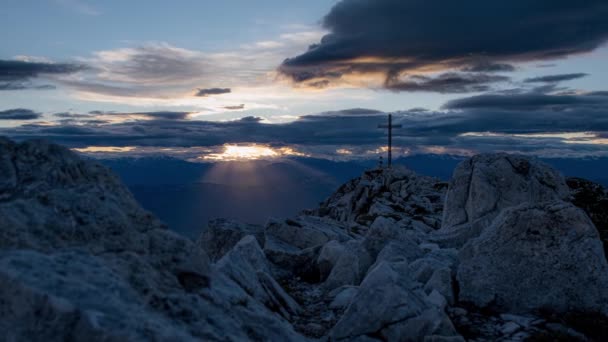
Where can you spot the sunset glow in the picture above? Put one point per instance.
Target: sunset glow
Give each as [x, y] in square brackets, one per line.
[251, 152]
[104, 149]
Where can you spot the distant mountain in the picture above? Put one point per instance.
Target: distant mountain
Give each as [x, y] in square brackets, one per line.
[186, 195]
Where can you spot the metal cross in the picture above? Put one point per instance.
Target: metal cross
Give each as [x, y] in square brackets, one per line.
[390, 127]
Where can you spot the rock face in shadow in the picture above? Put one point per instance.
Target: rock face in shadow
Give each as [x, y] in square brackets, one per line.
[221, 235]
[80, 260]
[536, 256]
[593, 199]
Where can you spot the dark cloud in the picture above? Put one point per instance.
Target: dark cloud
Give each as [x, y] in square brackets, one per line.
[251, 119]
[489, 67]
[397, 36]
[163, 115]
[447, 83]
[67, 115]
[529, 102]
[20, 85]
[18, 75]
[555, 78]
[416, 110]
[352, 112]
[512, 122]
[241, 106]
[19, 114]
[212, 91]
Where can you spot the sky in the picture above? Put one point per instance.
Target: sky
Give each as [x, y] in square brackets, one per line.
[237, 79]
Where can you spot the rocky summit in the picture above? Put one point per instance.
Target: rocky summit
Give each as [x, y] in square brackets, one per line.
[508, 250]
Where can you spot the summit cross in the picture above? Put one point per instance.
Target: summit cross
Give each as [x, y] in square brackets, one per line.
[390, 127]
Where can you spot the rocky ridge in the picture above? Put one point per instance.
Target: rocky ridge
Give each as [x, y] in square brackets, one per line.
[499, 253]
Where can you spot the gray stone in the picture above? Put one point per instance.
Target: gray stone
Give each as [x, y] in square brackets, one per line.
[484, 185]
[343, 297]
[246, 264]
[536, 256]
[387, 303]
[221, 235]
[328, 257]
[441, 281]
[306, 231]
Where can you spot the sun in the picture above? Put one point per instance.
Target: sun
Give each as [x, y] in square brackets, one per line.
[244, 152]
[233, 152]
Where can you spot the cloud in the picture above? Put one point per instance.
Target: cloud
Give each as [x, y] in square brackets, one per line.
[384, 38]
[165, 115]
[66, 115]
[531, 123]
[19, 114]
[19, 75]
[555, 78]
[446, 83]
[212, 91]
[161, 71]
[238, 107]
[529, 102]
[489, 67]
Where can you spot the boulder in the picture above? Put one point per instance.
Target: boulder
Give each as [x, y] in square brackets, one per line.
[306, 231]
[221, 235]
[486, 184]
[388, 305]
[328, 257]
[347, 270]
[536, 256]
[342, 297]
[246, 265]
[292, 260]
[73, 294]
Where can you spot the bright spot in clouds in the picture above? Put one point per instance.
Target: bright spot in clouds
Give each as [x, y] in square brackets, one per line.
[251, 152]
[104, 149]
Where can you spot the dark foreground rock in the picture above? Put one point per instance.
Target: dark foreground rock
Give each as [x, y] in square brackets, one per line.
[380, 260]
[80, 260]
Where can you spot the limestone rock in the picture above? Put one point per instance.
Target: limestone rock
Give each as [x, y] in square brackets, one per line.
[306, 231]
[535, 256]
[80, 260]
[484, 185]
[397, 193]
[246, 264]
[328, 257]
[221, 235]
[388, 304]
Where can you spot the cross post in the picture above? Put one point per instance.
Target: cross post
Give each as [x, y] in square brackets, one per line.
[390, 127]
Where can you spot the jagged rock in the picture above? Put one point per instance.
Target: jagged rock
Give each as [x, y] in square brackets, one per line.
[79, 259]
[388, 305]
[350, 267]
[343, 296]
[536, 256]
[57, 200]
[73, 295]
[82, 261]
[221, 235]
[385, 230]
[293, 260]
[484, 185]
[328, 257]
[441, 281]
[246, 264]
[397, 193]
[306, 231]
